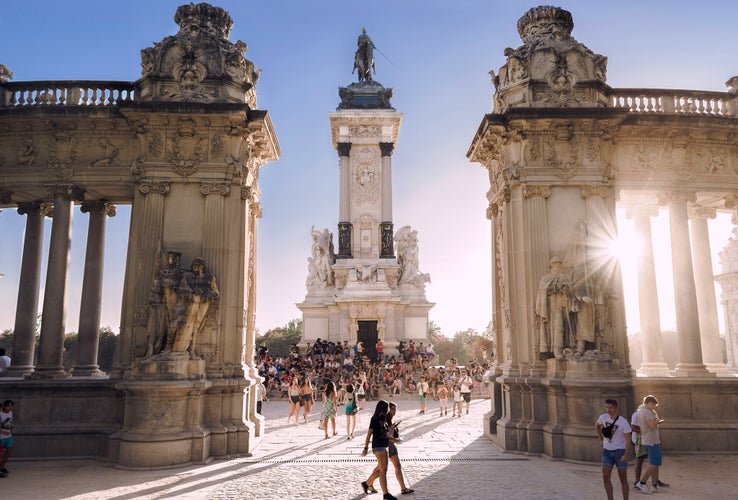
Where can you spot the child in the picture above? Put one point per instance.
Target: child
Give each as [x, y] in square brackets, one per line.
[458, 400]
[442, 394]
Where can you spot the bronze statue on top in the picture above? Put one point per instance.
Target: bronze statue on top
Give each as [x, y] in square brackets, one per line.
[364, 57]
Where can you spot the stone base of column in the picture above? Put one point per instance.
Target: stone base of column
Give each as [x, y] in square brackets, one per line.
[719, 369]
[49, 373]
[88, 371]
[694, 370]
[655, 369]
[19, 370]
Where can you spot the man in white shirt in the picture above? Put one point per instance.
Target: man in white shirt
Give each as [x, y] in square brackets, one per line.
[614, 433]
[649, 421]
[465, 385]
[423, 389]
[4, 363]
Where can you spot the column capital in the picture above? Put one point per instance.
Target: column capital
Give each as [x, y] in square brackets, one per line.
[148, 186]
[68, 190]
[676, 195]
[343, 148]
[697, 212]
[588, 191]
[256, 209]
[29, 207]
[222, 188]
[731, 201]
[636, 209]
[98, 207]
[5, 195]
[493, 210]
[539, 191]
[387, 148]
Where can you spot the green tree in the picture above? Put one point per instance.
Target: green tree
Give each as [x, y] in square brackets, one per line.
[442, 345]
[278, 340]
[106, 348]
[6, 341]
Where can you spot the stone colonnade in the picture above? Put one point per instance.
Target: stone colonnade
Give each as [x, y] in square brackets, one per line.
[699, 343]
[51, 343]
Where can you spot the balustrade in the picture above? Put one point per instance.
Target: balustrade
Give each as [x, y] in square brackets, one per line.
[692, 102]
[65, 93]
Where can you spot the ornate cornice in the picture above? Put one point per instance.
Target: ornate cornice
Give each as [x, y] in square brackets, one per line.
[69, 190]
[493, 210]
[635, 210]
[5, 196]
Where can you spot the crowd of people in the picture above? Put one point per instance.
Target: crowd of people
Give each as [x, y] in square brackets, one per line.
[303, 375]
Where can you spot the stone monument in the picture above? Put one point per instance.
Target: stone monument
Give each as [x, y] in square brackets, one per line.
[562, 150]
[372, 288]
[183, 145]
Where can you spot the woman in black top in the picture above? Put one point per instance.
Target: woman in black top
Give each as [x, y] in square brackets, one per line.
[394, 457]
[379, 433]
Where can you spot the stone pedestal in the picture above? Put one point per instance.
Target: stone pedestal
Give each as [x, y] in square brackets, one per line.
[172, 366]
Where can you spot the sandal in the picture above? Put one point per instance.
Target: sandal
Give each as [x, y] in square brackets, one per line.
[406, 491]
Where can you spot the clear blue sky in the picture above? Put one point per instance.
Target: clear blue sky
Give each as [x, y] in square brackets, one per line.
[437, 53]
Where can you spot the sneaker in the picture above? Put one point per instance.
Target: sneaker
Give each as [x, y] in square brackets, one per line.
[661, 484]
[635, 485]
[4, 471]
[644, 488]
[655, 488]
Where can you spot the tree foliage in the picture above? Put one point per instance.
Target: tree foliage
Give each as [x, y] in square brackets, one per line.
[278, 339]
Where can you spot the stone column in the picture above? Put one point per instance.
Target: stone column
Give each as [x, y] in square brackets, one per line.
[387, 227]
[685, 297]
[146, 231]
[213, 251]
[648, 300]
[53, 317]
[89, 313]
[712, 344]
[344, 222]
[537, 233]
[728, 279]
[24, 331]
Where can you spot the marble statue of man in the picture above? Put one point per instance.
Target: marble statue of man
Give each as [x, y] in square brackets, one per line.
[197, 290]
[163, 300]
[554, 302]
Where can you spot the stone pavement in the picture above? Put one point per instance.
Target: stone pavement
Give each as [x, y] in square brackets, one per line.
[442, 458]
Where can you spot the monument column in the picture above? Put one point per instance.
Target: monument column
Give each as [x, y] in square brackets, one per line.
[344, 222]
[24, 331]
[387, 227]
[145, 234]
[537, 232]
[690, 362]
[712, 352]
[51, 343]
[92, 281]
[648, 302]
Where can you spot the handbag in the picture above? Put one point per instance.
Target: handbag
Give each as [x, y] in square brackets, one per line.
[322, 424]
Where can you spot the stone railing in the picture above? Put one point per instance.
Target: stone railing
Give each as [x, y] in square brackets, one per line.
[65, 93]
[688, 102]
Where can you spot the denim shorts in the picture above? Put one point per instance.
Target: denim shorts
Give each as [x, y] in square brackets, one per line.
[654, 453]
[611, 458]
[6, 442]
[379, 449]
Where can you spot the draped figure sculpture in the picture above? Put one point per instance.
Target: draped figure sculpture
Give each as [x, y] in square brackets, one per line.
[322, 257]
[197, 290]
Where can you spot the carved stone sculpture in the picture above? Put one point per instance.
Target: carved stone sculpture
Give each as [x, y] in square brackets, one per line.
[197, 290]
[163, 300]
[554, 304]
[320, 263]
[407, 257]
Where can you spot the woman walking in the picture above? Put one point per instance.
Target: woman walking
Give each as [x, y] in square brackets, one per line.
[458, 401]
[306, 397]
[329, 407]
[394, 457]
[379, 433]
[293, 392]
[351, 410]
